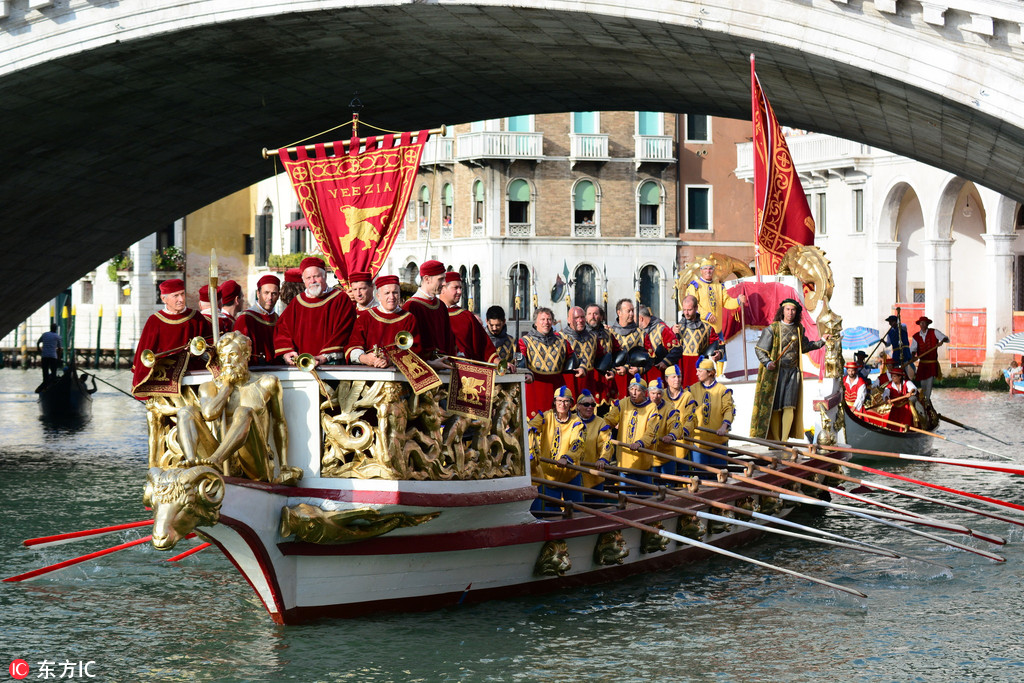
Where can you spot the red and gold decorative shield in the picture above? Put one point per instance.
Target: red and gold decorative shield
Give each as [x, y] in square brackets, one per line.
[355, 201]
[471, 390]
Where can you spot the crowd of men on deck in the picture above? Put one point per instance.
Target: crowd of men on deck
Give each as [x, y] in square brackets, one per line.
[657, 383]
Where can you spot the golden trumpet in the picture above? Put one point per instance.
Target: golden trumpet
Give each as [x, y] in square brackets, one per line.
[404, 340]
[305, 362]
[196, 347]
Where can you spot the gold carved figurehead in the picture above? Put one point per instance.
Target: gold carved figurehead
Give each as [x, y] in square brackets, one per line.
[651, 542]
[553, 560]
[610, 548]
[312, 524]
[182, 499]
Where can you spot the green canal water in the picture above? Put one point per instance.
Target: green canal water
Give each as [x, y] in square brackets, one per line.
[136, 617]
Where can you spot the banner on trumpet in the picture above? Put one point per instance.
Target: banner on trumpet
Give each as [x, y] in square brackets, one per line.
[420, 375]
[471, 390]
[164, 376]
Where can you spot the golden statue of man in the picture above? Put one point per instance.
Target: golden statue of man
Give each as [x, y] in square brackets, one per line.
[253, 432]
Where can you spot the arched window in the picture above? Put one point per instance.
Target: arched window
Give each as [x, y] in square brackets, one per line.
[298, 235]
[410, 273]
[474, 289]
[584, 205]
[478, 208]
[519, 287]
[585, 286]
[649, 216]
[448, 197]
[519, 222]
[423, 208]
[650, 289]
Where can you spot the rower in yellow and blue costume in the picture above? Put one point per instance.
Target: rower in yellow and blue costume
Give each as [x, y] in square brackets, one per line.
[557, 434]
[636, 421]
[670, 430]
[597, 446]
[714, 410]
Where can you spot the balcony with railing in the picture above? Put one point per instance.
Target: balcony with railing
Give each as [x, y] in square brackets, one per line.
[657, 149]
[812, 153]
[438, 151]
[484, 145]
[520, 229]
[478, 230]
[650, 231]
[585, 229]
[588, 147]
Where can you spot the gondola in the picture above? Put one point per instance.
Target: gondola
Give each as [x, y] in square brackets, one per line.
[67, 397]
[864, 435]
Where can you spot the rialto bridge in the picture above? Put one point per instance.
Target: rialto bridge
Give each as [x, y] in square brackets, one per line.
[119, 117]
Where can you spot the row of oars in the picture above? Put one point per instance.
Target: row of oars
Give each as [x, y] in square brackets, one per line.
[886, 514]
[745, 482]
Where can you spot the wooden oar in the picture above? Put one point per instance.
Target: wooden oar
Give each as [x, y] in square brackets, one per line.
[864, 416]
[36, 573]
[974, 464]
[891, 475]
[191, 551]
[703, 501]
[903, 515]
[900, 514]
[57, 539]
[695, 543]
[765, 517]
[891, 489]
[961, 424]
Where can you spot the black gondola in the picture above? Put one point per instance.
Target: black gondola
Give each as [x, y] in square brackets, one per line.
[66, 397]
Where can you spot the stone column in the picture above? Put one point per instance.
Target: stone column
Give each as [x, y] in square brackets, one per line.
[997, 279]
[880, 291]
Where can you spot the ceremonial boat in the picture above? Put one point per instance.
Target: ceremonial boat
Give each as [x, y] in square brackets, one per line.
[871, 437]
[391, 502]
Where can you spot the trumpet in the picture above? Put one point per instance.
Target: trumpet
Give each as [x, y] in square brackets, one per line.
[305, 362]
[196, 347]
[404, 340]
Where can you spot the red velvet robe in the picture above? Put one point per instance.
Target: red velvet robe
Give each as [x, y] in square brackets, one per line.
[165, 331]
[259, 328]
[434, 325]
[376, 327]
[316, 326]
[225, 323]
[470, 336]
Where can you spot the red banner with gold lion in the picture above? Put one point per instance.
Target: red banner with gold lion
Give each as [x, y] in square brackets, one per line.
[783, 217]
[355, 200]
[471, 390]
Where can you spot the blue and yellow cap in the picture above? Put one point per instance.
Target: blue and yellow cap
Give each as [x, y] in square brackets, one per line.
[656, 385]
[637, 379]
[673, 370]
[563, 392]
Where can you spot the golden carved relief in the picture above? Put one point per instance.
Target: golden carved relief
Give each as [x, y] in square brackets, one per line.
[407, 437]
[651, 542]
[315, 525]
[611, 548]
[553, 559]
[182, 499]
[692, 527]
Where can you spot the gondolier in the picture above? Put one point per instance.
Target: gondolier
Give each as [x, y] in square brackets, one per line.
[855, 389]
[925, 345]
[900, 387]
[896, 339]
[778, 396]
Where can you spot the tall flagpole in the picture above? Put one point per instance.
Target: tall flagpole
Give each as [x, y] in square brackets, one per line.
[753, 148]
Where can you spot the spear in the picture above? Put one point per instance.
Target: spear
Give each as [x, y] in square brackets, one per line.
[605, 296]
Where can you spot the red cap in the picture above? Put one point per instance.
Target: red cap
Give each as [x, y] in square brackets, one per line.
[204, 293]
[360, 276]
[452, 276]
[229, 290]
[431, 268]
[268, 279]
[851, 365]
[172, 286]
[923, 319]
[293, 275]
[897, 371]
[311, 261]
[387, 280]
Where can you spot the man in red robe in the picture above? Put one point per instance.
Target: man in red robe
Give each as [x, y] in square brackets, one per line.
[377, 327]
[172, 328]
[230, 293]
[436, 336]
[225, 323]
[258, 321]
[318, 321]
[360, 290]
[470, 336]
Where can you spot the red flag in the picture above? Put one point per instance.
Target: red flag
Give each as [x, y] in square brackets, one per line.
[471, 390]
[355, 201]
[783, 217]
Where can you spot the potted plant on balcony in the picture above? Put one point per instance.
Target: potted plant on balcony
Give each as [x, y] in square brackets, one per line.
[120, 266]
[169, 259]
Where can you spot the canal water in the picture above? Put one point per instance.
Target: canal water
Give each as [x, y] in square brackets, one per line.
[136, 617]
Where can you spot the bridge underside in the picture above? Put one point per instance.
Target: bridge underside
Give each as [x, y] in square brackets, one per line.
[107, 146]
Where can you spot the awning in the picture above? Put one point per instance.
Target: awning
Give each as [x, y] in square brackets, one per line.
[300, 224]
